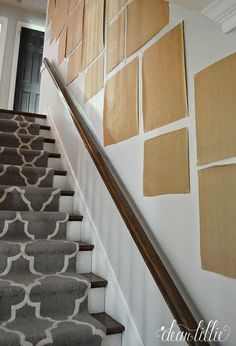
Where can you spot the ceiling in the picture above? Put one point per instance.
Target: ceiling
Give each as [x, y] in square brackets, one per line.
[35, 5]
[196, 5]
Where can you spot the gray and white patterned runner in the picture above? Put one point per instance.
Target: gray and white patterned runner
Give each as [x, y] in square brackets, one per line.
[43, 301]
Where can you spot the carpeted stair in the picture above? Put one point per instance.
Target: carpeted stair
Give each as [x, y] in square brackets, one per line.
[43, 301]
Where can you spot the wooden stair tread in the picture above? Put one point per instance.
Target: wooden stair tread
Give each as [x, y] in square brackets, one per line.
[111, 325]
[96, 281]
[67, 193]
[45, 127]
[75, 217]
[85, 246]
[60, 172]
[54, 155]
[35, 115]
[49, 140]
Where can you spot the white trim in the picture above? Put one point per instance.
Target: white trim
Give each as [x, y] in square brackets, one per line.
[3, 35]
[222, 12]
[110, 274]
[15, 57]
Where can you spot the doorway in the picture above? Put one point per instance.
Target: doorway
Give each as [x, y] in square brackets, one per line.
[27, 89]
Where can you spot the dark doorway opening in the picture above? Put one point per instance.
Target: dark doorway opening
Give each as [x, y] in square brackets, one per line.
[27, 89]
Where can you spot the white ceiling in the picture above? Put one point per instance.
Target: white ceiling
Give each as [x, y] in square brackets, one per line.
[196, 5]
[35, 5]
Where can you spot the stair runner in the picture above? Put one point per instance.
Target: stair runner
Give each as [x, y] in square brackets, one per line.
[43, 301]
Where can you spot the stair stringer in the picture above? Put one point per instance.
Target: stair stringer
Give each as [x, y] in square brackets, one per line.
[115, 302]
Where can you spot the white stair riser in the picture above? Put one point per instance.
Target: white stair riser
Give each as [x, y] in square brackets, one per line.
[41, 121]
[112, 340]
[66, 204]
[73, 230]
[46, 133]
[54, 163]
[51, 147]
[84, 262]
[61, 182]
[96, 300]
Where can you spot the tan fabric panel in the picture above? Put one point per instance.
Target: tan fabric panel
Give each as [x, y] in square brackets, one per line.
[215, 100]
[112, 7]
[116, 42]
[217, 194]
[75, 25]
[94, 80]
[60, 18]
[92, 31]
[164, 81]
[51, 10]
[166, 164]
[120, 120]
[145, 19]
[62, 46]
[74, 64]
[72, 4]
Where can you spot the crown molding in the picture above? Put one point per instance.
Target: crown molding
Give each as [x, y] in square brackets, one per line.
[222, 12]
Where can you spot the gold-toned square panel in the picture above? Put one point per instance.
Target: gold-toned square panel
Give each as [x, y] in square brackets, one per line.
[116, 42]
[164, 81]
[75, 25]
[145, 19]
[94, 80]
[74, 64]
[51, 10]
[93, 27]
[112, 7]
[166, 164]
[120, 120]
[62, 46]
[59, 19]
[217, 195]
[215, 99]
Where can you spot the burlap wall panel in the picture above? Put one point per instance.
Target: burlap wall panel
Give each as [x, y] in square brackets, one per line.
[74, 64]
[116, 42]
[217, 194]
[62, 46]
[94, 79]
[112, 7]
[145, 19]
[120, 118]
[51, 10]
[93, 27]
[164, 81]
[166, 164]
[75, 25]
[215, 93]
[60, 18]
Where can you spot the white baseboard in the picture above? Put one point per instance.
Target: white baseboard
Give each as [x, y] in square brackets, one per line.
[125, 315]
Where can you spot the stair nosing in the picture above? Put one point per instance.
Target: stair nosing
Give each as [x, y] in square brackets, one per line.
[49, 140]
[101, 283]
[83, 246]
[28, 114]
[54, 155]
[75, 217]
[118, 328]
[60, 172]
[45, 127]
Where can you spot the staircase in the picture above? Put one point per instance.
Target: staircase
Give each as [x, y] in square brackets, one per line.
[46, 295]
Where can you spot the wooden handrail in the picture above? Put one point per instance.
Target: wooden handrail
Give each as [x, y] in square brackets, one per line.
[130, 214]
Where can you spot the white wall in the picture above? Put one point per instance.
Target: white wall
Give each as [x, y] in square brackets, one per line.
[174, 219]
[13, 14]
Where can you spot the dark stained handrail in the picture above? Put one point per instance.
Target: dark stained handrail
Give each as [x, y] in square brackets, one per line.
[130, 214]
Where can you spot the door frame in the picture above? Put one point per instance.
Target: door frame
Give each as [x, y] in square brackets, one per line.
[16, 56]
[3, 36]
